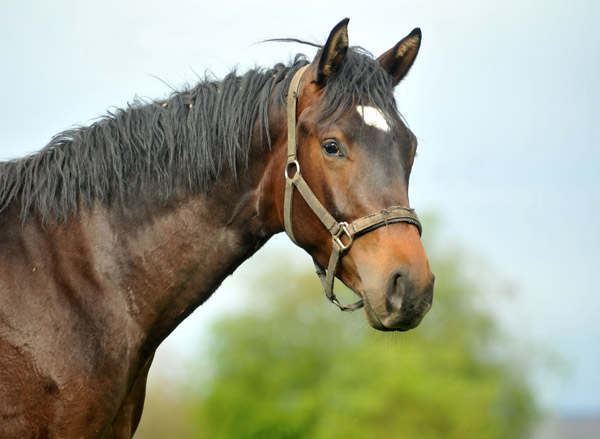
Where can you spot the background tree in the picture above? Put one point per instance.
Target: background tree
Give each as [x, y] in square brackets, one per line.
[291, 366]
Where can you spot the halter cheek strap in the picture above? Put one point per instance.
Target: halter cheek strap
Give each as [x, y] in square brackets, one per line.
[393, 214]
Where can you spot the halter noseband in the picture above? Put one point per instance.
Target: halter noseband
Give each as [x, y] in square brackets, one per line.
[393, 214]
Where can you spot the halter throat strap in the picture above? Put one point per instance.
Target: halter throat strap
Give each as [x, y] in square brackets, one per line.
[340, 243]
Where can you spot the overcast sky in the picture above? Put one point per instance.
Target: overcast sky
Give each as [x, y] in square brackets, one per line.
[504, 99]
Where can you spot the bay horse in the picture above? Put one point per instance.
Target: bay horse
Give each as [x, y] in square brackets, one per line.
[114, 233]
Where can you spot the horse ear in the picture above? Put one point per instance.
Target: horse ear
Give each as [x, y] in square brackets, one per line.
[333, 53]
[398, 60]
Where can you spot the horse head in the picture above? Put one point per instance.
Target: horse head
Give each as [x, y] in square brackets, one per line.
[350, 156]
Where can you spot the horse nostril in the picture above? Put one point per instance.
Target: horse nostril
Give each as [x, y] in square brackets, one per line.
[407, 300]
[396, 289]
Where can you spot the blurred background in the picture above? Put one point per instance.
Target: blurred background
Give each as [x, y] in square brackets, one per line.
[504, 100]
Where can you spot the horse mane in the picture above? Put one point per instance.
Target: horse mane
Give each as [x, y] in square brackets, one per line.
[158, 148]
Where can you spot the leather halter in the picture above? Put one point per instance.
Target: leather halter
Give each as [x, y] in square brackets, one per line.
[393, 214]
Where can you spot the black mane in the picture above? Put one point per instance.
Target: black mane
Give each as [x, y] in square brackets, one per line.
[157, 148]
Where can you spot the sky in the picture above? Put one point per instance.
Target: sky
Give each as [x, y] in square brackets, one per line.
[503, 97]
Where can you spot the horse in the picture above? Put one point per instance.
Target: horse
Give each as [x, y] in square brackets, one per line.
[113, 233]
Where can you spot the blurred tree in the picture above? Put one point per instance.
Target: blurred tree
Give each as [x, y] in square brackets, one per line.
[292, 366]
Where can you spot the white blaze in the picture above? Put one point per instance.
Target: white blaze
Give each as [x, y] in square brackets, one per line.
[373, 117]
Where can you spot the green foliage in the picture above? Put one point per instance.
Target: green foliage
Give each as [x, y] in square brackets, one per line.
[292, 366]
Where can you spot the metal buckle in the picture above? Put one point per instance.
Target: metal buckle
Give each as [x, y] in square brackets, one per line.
[336, 238]
[287, 166]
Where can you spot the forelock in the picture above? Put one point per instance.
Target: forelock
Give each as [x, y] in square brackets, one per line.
[359, 81]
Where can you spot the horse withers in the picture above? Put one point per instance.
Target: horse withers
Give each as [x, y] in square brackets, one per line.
[114, 233]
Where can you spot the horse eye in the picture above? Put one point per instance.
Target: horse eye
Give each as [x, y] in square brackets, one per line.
[331, 148]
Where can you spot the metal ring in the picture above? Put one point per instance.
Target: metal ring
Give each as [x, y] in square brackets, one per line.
[336, 238]
[295, 162]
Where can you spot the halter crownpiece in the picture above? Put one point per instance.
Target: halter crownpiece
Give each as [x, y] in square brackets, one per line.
[393, 214]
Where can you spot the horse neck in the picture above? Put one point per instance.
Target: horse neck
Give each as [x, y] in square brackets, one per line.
[173, 261]
[160, 260]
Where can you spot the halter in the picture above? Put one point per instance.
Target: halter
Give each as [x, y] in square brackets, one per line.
[393, 214]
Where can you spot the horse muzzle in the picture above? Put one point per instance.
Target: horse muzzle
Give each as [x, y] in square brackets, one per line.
[401, 304]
